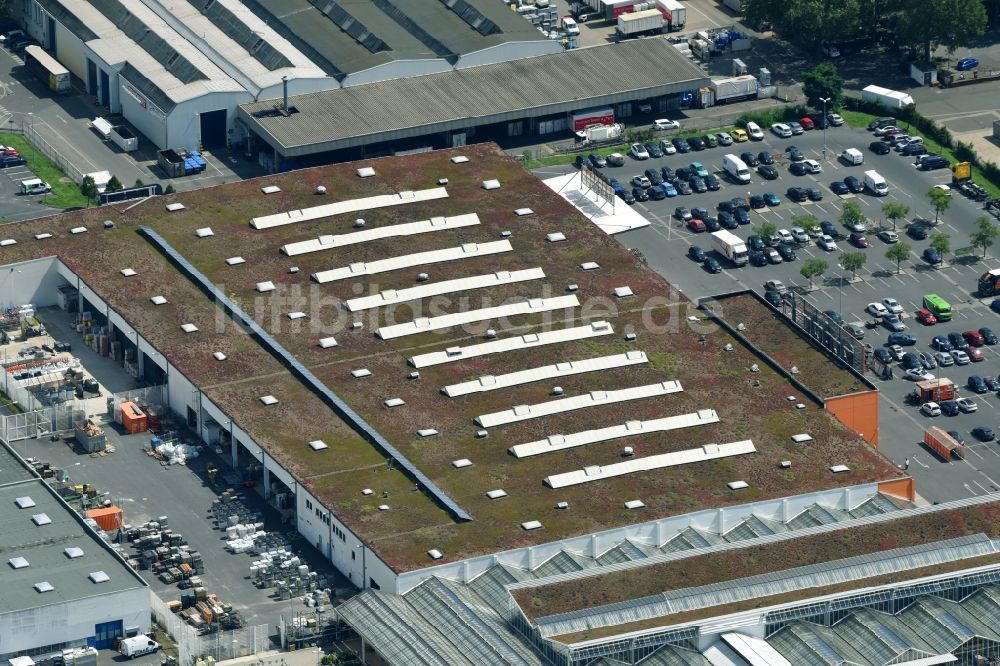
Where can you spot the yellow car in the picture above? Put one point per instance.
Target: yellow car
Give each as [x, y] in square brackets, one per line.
[739, 135]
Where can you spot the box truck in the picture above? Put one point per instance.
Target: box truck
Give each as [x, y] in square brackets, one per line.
[886, 97]
[876, 183]
[646, 22]
[581, 120]
[137, 645]
[674, 12]
[734, 88]
[730, 246]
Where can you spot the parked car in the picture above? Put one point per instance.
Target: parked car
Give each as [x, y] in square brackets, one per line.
[698, 169]
[640, 180]
[795, 127]
[683, 214]
[992, 383]
[854, 184]
[876, 310]
[892, 305]
[950, 408]
[767, 172]
[668, 189]
[917, 232]
[749, 159]
[755, 243]
[765, 157]
[711, 141]
[975, 355]
[681, 145]
[961, 358]
[786, 251]
[827, 243]
[696, 225]
[654, 176]
[927, 361]
[696, 253]
[758, 259]
[883, 355]
[888, 236]
[739, 135]
[794, 154]
[913, 149]
[983, 433]
[616, 159]
[974, 338]
[797, 194]
[771, 199]
[773, 297]
[626, 196]
[965, 64]
[931, 256]
[917, 375]
[976, 384]
[665, 124]
[742, 215]
[696, 143]
[782, 130]
[724, 139]
[640, 194]
[944, 359]
[989, 337]
[930, 409]
[880, 147]
[807, 123]
[839, 187]
[815, 194]
[653, 150]
[858, 239]
[712, 182]
[727, 220]
[798, 169]
[638, 151]
[941, 343]
[682, 187]
[800, 235]
[754, 130]
[598, 161]
[902, 339]
[956, 341]
[835, 119]
[893, 322]
[712, 265]
[757, 201]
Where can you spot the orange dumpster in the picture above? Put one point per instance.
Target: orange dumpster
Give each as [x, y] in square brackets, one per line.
[108, 519]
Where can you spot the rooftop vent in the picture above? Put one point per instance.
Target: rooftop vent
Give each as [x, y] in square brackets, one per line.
[414, 375]
[572, 287]
[264, 287]
[318, 445]
[435, 554]
[562, 505]
[496, 494]
[218, 356]
[42, 236]
[737, 485]
[623, 292]
[326, 343]
[99, 577]
[366, 172]
[270, 189]
[41, 519]
[531, 525]
[204, 232]
[394, 402]
[504, 234]
[492, 184]
[442, 181]
[108, 224]
[634, 504]
[355, 325]
[785, 464]
[427, 432]
[367, 491]
[189, 328]
[802, 437]
[791, 398]
[235, 261]
[800, 405]
[293, 270]
[459, 159]
[296, 315]
[321, 189]
[590, 265]
[480, 434]
[174, 207]
[630, 337]
[556, 237]
[360, 372]
[521, 212]
[128, 272]
[158, 300]
[24, 502]
[383, 507]
[78, 230]
[73, 552]
[44, 586]
[269, 400]
[8, 241]
[837, 469]
[461, 462]
[17, 562]
[423, 277]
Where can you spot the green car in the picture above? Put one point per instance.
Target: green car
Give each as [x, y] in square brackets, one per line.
[699, 169]
[711, 141]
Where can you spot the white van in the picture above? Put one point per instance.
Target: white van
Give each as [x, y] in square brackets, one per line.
[35, 186]
[736, 168]
[853, 157]
[876, 183]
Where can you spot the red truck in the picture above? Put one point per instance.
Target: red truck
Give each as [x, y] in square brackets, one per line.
[934, 390]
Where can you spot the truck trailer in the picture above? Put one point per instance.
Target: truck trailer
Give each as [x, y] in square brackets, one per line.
[890, 98]
[581, 120]
[674, 12]
[730, 246]
[612, 9]
[943, 444]
[635, 24]
[734, 88]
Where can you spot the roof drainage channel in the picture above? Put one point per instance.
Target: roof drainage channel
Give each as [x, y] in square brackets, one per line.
[305, 375]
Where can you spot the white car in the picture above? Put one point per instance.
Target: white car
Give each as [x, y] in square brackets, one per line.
[782, 130]
[799, 235]
[961, 358]
[944, 359]
[967, 405]
[666, 124]
[638, 151]
[813, 166]
[930, 409]
[896, 351]
[773, 256]
[857, 226]
[835, 119]
[882, 130]
[641, 181]
[667, 147]
[892, 305]
[917, 375]
[784, 236]
[776, 285]
[876, 310]
[827, 243]
[754, 130]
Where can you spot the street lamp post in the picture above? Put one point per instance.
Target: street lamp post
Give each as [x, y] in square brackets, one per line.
[825, 123]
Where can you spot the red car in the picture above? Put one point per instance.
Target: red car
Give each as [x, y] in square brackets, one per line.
[926, 317]
[807, 123]
[859, 239]
[696, 225]
[974, 338]
[974, 354]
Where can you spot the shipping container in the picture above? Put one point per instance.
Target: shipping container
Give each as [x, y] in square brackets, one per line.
[734, 88]
[641, 23]
[943, 444]
[108, 519]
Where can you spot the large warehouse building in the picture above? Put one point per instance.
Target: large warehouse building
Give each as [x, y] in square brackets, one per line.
[522, 443]
[62, 585]
[177, 69]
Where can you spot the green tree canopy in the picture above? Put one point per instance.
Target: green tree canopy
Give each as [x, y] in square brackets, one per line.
[895, 211]
[940, 200]
[853, 261]
[941, 242]
[766, 231]
[806, 221]
[852, 214]
[823, 82]
[898, 252]
[923, 25]
[985, 234]
[812, 269]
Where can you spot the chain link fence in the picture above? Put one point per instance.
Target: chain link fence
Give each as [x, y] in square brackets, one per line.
[220, 645]
[32, 134]
[38, 422]
[825, 331]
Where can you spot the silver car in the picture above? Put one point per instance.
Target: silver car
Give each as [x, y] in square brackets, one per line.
[961, 358]
[944, 359]
[927, 360]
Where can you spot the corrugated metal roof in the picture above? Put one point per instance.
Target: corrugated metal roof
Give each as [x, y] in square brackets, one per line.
[391, 296]
[425, 324]
[410, 260]
[591, 330]
[389, 231]
[552, 83]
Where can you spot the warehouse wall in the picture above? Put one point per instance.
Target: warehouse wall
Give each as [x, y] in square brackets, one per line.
[297, 87]
[70, 51]
[73, 620]
[30, 282]
[182, 393]
[857, 411]
[143, 114]
[398, 69]
[509, 51]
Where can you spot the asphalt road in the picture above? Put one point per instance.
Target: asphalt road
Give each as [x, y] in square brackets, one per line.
[665, 244]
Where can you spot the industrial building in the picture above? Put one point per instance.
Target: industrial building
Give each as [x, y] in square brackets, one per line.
[63, 586]
[177, 69]
[462, 387]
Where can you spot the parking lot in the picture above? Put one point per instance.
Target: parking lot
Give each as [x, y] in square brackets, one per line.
[666, 241]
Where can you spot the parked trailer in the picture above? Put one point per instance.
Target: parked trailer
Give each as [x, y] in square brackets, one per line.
[581, 120]
[943, 444]
[734, 89]
[674, 12]
[641, 23]
[612, 9]
[890, 98]
[119, 134]
[48, 69]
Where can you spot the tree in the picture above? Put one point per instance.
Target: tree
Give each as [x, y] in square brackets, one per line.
[766, 231]
[88, 187]
[169, 190]
[808, 223]
[986, 232]
[941, 242]
[940, 200]
[852, 214]
[114, 185]
[139, 183]
[853, 261]
[894, 210]
[809, 23]
[898, 252]
[823, 82]
[813, 268]
[923, 25]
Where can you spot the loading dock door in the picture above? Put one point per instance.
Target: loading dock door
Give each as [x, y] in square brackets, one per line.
[92, 77]
[105, 90]
[213, 129]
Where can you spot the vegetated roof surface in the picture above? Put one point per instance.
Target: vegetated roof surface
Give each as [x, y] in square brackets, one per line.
[711, 378]
[636, 583]
[768, 332]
